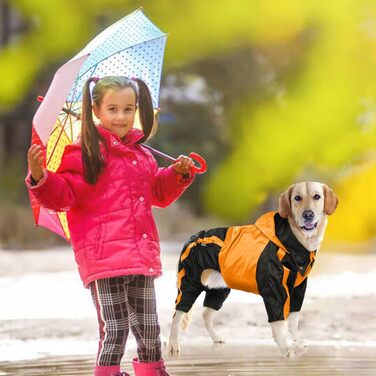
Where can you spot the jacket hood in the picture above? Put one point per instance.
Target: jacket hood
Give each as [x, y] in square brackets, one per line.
[266, 225]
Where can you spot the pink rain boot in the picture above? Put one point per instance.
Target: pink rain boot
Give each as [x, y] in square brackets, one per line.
[109, 371]
[106, 370]
[149, 369]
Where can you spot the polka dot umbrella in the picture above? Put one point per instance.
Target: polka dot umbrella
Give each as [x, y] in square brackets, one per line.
[131, 47]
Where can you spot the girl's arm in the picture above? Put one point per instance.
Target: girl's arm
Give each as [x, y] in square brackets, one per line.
[56, 191]
[170, 183]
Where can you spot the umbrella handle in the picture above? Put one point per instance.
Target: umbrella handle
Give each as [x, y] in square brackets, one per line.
[202, 165]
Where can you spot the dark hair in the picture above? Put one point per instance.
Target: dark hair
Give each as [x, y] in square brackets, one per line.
[90, 137]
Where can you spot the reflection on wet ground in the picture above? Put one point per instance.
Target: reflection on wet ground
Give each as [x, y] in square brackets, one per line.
[226, 361]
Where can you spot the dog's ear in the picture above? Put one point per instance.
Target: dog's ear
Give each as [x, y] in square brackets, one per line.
[331, 200]
[284, 203]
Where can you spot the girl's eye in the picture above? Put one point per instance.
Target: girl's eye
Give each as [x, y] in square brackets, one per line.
[316, 197]
[298, 198]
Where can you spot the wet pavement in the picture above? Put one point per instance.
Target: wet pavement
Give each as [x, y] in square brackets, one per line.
[49, 314]
[224, 361]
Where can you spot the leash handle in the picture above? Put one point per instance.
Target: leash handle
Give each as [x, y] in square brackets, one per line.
[202, 165]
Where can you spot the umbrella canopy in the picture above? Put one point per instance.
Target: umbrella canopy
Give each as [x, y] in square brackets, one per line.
[131, 47]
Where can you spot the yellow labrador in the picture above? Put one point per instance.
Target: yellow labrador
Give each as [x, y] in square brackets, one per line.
[272, 258]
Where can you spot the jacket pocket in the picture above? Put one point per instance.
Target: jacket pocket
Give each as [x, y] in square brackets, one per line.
[99, 240]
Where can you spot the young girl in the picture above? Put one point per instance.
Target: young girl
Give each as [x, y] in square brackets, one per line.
[107, 183]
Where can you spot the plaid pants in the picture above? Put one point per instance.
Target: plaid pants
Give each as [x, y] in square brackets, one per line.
[126, 302]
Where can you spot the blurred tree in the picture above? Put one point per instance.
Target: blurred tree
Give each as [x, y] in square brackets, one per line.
[191, 120]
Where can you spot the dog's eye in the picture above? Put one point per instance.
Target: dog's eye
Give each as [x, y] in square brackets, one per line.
[298, 198]
[316, 197]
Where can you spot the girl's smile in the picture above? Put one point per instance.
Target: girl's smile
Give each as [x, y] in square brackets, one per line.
[117, 110]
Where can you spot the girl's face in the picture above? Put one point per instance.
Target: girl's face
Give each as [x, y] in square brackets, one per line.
[117, 110]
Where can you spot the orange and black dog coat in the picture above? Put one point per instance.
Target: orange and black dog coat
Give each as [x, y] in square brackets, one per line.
[264, 258]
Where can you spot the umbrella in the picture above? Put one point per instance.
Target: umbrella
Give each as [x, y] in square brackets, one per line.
[131, 47]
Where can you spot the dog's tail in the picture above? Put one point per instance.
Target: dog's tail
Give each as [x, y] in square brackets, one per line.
[187, 319]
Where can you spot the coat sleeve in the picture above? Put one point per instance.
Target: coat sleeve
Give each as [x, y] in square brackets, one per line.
[297, 296]
[60, 190]
[275, 284]
[167, 185]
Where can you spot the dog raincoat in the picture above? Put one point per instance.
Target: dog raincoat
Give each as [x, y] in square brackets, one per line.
[264, 258]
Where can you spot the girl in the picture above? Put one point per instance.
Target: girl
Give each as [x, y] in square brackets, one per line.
[108, 183]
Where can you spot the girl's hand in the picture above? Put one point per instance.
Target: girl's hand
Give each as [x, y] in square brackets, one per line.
[35, 157]
[183, 165]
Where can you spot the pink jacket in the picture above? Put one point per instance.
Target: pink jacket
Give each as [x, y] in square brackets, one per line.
[111, 224]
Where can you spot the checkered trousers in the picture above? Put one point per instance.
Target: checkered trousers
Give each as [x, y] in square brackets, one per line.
[123, 303]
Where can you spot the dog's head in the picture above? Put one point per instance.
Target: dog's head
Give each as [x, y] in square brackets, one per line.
[307, 204]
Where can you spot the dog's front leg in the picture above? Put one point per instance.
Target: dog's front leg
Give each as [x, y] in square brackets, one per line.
[293, 322]
[280, 332]
[173, 343]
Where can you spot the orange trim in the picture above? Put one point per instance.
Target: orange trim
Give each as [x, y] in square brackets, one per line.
[299, 279]
[312, 258]
[187, 251]
[181, 274]
[286, 307]
[281, 253]
[210, 240]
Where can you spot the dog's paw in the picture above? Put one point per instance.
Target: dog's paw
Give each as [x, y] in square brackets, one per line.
[217, 346]
[301, 347]
[295, 351]
[219, 340]
[288, 353]
[174, 349]
[301, 344]
[291, 353]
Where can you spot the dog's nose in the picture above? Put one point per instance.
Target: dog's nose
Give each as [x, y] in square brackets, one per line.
[308, 215]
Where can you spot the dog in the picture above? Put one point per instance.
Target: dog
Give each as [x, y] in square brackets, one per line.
[272, 258]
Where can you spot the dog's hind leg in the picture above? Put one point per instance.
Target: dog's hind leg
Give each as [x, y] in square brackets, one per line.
[216, 293]
[208, 319]
[173, 343]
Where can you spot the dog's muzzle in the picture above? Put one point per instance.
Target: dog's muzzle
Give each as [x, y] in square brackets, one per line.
[309, 224]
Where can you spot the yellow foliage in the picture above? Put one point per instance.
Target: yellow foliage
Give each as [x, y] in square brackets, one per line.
[204, 28]
[354, 219]
[15, 80]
